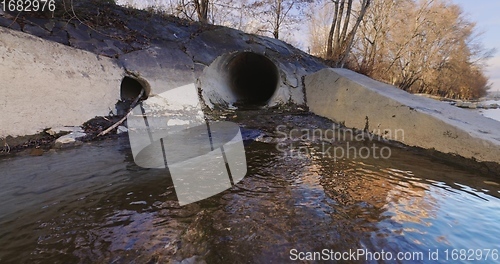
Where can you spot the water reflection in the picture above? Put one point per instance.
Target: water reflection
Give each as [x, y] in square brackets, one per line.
[491, 113]
[404, 204]
[422, 204]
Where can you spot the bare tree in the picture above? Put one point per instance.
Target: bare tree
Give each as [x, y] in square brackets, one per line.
[276, 15]
[201, 8]
[272, 17]
[342, 33]
[190, 9]
[319, 16]
[422, 46]
[230, 13]
[370, 45]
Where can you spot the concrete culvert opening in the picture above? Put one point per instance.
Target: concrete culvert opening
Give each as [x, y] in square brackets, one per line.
[131, 87]
[240, 79]
[253, 79]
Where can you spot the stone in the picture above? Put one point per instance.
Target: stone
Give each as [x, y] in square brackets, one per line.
[140, 42]
[8, 23]
[78, 34]
[179, 32]
[135, 24]
[172, 33]
[191, 260]
[205, 58]
[69, 140]
[60, 36]
[58, 130]
[209, 45]
[466, 105]
[121, 130]
[40, 22]
[84, 45]
[108, 52]
[265, 139]
[469, 105]
[276, 45]
[60, 25]
[49, 25]
[308, 64]
[251, 134]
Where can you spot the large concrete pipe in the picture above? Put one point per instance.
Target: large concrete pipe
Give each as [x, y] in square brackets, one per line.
[243, 79]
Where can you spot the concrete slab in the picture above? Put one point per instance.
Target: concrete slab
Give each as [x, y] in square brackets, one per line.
[45, 84]
[363, 103]
[164, 68]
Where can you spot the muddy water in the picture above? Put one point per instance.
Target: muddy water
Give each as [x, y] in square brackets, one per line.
[93, 204]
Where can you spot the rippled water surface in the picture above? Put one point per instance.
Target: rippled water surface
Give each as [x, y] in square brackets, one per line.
[93, 204]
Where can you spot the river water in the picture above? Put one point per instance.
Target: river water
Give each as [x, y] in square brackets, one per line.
[491, 113]
[93, 204]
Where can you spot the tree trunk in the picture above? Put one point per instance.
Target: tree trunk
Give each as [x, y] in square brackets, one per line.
[329, 48]
[201, 7]
[340, 40]
[350, 38]
[276, 31]
[337, 27]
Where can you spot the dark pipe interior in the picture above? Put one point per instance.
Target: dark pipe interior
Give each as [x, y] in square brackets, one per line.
[130, 89]
[253, 78]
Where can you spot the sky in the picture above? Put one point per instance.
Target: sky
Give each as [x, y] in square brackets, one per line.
[485, 14]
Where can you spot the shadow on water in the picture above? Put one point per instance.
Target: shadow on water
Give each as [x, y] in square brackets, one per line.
[92, 204]
[88, 204]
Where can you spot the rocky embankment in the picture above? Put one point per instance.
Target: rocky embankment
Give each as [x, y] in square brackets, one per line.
[113, 31]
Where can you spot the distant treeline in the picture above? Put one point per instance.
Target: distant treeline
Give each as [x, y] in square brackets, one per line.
[425, 46]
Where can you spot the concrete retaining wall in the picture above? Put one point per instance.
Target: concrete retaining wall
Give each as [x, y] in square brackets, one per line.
[363, 103]
[45, 84]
